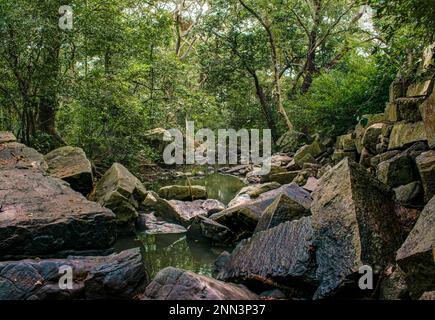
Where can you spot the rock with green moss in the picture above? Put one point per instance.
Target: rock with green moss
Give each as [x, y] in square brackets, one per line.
[291, 141]
[339, 155]
[183, 192]
[404, 134]
[427, 110]
[346, 142]
[71, 164]
[406, 109]
[426, 167]
[122, 192]
[307, 153]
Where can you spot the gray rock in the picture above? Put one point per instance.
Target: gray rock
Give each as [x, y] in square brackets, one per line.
[409, 194]
[121, 192]
[70, 164]
[283, 255]
[183, 192]
[416, 255]
[281, 210]
[153, 225]
[177, 284]
[426, 167]
[118, 276]
[354, 224]
[17, 155]
[205, 228]
[6, 137]
[40, 216]
[397, 171]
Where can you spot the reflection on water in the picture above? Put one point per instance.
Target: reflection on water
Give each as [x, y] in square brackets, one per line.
[219, 186]
[161, 251]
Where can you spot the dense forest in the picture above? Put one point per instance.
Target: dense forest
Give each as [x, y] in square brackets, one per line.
[340, 91]
[129, 66]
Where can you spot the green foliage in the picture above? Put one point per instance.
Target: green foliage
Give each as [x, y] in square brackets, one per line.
[336, 99]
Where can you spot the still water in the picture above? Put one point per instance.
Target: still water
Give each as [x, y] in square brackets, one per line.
[161, 251]
[222, 187]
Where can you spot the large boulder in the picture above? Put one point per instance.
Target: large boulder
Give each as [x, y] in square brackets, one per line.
[346, 142]
[183, 192]
[427, 110]
[416, 255]
[366, 121]
[177, 211]
[6, 137]
[291, 141]
[283, 255]
[177, 284]
[17, 155]
[40, 215]
[118, 276]
[426, 167]
[242, 218]
[405, 133]
[354, 224]
[70, 164]
[405, 109]
[208, 229]
[420, 89]
[371, 136]
[259, 189]
[151, 224]
[281, 210]
[308, 152]
[121, 192]
[397, 171]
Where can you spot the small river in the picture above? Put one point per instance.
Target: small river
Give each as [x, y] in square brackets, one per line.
[161, 251]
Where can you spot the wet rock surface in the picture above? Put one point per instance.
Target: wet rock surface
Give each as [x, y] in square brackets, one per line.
[118, 276]
[354, 224]
[177, 284]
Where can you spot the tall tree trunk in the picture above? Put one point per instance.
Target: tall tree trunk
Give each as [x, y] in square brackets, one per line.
[310, 67]
[48, 101]
[265, 105]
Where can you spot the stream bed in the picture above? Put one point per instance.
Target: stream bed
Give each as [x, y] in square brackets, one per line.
[161, 251]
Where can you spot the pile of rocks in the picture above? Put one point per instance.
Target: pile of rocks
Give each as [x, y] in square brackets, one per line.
[41, 216]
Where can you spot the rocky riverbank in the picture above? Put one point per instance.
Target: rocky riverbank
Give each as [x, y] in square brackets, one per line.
[329, 208]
